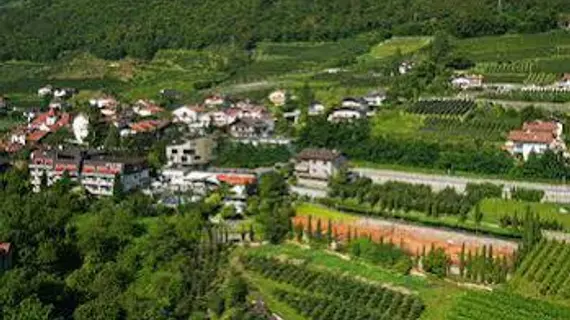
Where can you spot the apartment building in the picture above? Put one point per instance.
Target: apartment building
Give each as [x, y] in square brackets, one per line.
[95, 171]
[194, 152]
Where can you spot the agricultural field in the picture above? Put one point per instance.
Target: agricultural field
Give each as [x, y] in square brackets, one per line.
[538, 59]
[532, 96]
[514, 47]
[453, 120]
[475, 305]
[322, 295]
[494, 209]
[442, 107]
[442, 300]
[545, 272]
[309, 209]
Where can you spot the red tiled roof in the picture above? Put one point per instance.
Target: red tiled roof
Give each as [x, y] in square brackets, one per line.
[531, 137]
[237, 179]
[540, 126]
[148, 125]
[36, 135]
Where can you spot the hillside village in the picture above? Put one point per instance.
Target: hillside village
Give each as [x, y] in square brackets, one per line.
[412, 179]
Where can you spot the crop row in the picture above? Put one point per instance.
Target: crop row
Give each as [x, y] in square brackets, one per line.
[443, 107]
[335, 293]
[541, 78]
[473, 128]
[547, 267]
[501, 305]
[533, 96]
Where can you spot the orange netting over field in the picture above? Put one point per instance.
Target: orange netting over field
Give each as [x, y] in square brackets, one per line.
[414, 239]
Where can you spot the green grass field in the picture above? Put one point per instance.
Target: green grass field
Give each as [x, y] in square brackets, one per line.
[406, 45]
[396, 123]
[317, 211]
[494, 209]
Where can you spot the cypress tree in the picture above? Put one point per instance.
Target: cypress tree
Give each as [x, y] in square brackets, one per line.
[483, 264]
[319, 231]
[462, 261]
[310, 228]
[490, 265]
[349, 235]
[329, 232]
[469, 269]
[251, 233]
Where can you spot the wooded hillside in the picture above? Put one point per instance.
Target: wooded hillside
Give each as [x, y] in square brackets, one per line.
[41, 30]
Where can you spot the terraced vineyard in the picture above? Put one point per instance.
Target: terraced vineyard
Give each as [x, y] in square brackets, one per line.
[541, 78]
[547, 270]
[323, 296]
[442, 107]
[532, 96]
[476, 305]
[474, 128]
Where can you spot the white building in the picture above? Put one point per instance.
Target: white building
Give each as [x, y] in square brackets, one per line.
[468, 82]
[344, 114]
[278, 97]
[80, 127]
[375, 99]
[535, 137]
[318, 164]
[316, 108]
[192, 152]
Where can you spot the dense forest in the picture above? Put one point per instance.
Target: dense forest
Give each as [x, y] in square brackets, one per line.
[42, 30]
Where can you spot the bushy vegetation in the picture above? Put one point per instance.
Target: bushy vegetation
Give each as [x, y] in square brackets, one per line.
[324, 295]
[241, 155]
[115, 29]
[82, 258]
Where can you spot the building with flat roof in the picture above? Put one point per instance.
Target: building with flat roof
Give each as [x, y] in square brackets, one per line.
[196, 152]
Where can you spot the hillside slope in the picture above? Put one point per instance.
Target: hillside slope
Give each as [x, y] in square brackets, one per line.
[42, 29]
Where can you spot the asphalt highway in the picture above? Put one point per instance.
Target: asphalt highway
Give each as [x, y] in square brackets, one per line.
[552, 193]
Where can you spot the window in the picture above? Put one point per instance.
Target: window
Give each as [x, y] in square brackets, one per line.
[174, 151]
[189, 152]
[184, 159]
[197, 158]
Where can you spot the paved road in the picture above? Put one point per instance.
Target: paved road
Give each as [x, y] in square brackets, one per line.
[552, 193]
[311, 192]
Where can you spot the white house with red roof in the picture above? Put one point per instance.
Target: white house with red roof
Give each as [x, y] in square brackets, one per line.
[535, 137]
[146, 108]
[214, 101]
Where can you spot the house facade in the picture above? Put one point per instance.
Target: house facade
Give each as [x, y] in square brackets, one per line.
[192, 152]
[251, 128]
[535, 137]
[345, 114]
[468, 81]
[318, 164]
[95, 171]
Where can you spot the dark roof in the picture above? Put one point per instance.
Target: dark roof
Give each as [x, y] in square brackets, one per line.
[318, 154]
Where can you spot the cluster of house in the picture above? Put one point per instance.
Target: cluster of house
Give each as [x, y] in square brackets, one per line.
[535, 137]
[242, 119]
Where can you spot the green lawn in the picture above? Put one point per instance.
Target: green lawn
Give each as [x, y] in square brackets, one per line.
[317, 211]
[405, 45]
[494, 209]
[396, 123]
